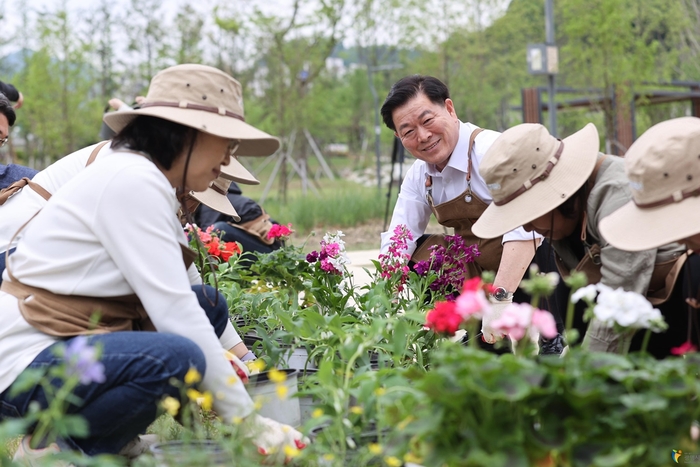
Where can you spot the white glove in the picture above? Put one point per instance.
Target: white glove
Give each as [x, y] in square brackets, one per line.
[272, 438]
[239, 367]
[489, 334]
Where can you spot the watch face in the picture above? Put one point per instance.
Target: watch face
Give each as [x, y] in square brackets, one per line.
[500, 293]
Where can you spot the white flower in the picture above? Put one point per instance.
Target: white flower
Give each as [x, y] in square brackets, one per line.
[553, 278]
[588, 293]
[626, 309]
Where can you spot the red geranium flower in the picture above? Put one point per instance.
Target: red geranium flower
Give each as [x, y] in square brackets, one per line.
[230, 249]
[443, 318]
[684, 348]
[280, 231]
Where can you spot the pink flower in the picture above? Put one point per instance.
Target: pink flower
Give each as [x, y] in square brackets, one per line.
[684, 348]
[472, 304]
[543, 321]
[280, 231]
[204, 237]
[443, 318]
[514, 320]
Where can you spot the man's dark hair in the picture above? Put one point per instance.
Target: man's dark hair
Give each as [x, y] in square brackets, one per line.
[7, 110]
[162, 139]
[407, 88]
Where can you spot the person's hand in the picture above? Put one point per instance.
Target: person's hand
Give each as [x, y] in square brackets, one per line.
[19, 102]
[490, 335]
[273, 439]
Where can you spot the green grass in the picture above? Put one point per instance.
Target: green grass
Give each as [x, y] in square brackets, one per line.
[339, 203]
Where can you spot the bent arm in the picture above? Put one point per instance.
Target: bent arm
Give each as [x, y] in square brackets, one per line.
[517, 256]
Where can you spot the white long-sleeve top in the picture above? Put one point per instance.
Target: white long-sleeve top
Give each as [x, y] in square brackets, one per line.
[412, 208]
[112, 230]
[24, 204]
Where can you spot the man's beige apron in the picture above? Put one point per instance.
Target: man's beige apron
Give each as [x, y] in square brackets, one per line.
[461, 213]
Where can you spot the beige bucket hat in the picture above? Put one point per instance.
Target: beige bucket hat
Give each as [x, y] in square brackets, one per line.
[235, 171]
[201, 97]
[216, 197]
[663, 166]
[530, 173]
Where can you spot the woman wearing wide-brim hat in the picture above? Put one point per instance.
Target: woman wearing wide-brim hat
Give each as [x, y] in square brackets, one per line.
[110, 240]
[562, 189]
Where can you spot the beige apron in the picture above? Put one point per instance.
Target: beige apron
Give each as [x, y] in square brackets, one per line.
[663, 278]
[461, 213]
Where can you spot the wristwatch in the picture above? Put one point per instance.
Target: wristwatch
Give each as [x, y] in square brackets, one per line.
[501, 294]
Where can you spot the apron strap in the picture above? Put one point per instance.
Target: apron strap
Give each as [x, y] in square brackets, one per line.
[93, 154]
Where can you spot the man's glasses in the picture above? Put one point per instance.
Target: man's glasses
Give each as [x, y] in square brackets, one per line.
[3, 141]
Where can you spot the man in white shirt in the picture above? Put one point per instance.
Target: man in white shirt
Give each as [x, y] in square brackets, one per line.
[446, 181]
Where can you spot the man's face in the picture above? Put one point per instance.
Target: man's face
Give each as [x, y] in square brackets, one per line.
[4, 127]
[429, 131]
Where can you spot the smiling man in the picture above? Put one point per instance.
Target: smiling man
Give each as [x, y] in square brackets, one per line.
[445, 181]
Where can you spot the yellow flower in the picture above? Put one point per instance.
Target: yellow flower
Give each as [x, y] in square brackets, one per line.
[192, 376]
[317, 413]
[328, 457]
[379, 392]
[277, 376]
[404, 423]
[375, 448]
[237, 420]
[357, 410]
[232, 380]
[193, 394]
[257, 404]
[171, 405]
[282, 391]
[412, 458]
[392, 461]
[206, 401]
[290, 451]
[256, 366]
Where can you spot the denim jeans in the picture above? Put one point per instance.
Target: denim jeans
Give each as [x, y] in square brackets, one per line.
[138, 369]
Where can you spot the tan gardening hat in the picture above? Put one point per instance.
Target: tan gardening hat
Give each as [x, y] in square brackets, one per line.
[216, 197]
[201, 97]
[237, 172]
[663, 166]
[530, 173]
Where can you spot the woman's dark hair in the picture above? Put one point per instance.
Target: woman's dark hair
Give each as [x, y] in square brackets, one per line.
[571, 208]
[162, 139]
[7, 110]
[407, 88]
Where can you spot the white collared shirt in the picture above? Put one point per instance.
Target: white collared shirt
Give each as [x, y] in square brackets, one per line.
[412, 208]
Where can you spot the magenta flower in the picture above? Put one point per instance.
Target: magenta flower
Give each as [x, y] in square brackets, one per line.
[280, 231]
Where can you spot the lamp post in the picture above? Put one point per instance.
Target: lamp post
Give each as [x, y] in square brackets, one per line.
[543, 59]
[377, 128]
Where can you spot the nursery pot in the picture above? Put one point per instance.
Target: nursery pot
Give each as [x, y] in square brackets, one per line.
[297, 359]
[197, 453]
[284, 410]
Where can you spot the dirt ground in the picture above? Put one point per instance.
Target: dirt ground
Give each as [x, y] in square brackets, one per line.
[365, 236]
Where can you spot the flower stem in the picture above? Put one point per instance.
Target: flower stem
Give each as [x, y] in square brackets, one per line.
[645, 342]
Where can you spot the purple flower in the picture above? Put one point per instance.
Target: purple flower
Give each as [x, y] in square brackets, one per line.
[422, 268]
[312, 257]
[81, 360]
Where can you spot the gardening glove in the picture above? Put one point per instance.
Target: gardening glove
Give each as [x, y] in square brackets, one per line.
[239, 367]
[277, 441]
[490, 335]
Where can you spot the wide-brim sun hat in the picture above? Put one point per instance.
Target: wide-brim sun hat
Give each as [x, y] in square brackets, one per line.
[530, 173]
[235, 171]
[216, 197]
[201, 97]
[663, 166]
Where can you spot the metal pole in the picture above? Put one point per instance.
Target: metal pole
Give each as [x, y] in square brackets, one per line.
[549, 29]
[377, 128]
